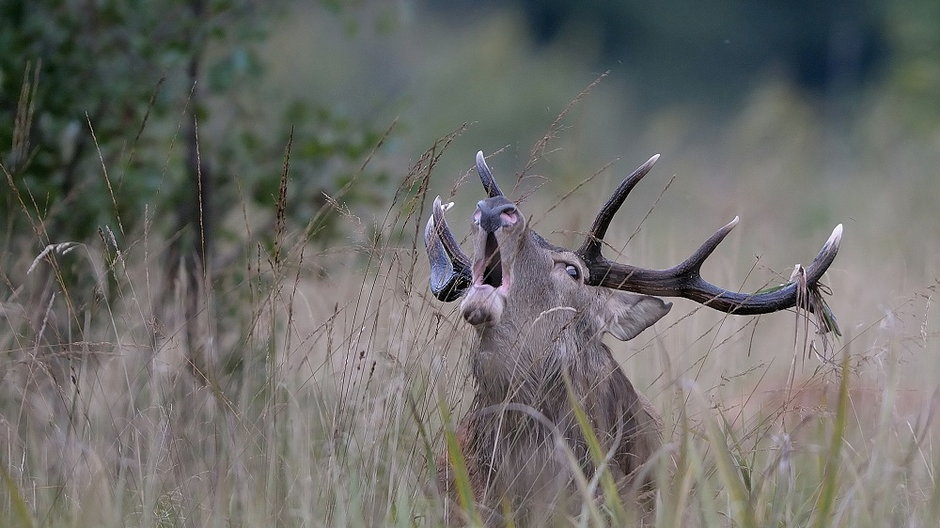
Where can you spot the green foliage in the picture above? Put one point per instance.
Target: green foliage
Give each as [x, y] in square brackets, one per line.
[99, 66]
[329, 166]
[104, 95]
[915, 75]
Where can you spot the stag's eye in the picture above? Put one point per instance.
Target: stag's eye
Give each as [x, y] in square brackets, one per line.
[573, 271]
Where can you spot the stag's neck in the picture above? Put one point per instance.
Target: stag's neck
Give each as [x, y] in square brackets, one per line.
[532, 372]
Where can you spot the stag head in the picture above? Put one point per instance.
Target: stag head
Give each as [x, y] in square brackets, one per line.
[529, 299]
[515, 270]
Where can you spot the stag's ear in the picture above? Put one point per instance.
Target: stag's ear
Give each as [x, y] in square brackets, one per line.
[628, 314]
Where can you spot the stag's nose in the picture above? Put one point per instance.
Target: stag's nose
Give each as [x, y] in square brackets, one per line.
[494, 213]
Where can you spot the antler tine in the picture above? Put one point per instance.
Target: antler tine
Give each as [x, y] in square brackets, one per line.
[450, 267]
[684, 280]
[662, 282]
[695, 261]
[447, 237]
[486, 176]
[826, 255]
[592, 244]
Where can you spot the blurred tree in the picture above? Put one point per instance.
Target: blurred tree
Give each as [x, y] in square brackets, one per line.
[130, 79]
[914, 77]
[713, 51]
[106, 83]
[83, 65]
[103, 104]
[94, 91]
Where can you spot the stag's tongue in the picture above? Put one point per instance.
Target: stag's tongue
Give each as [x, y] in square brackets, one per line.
[493, 268]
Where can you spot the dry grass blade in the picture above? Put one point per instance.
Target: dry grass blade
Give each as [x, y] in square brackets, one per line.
[23, 122]
[104, 173]
[280, 208]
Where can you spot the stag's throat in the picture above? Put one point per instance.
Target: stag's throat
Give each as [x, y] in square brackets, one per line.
[491, 281]
[492, 264]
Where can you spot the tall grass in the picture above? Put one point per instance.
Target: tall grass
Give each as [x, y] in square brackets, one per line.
[325, 382]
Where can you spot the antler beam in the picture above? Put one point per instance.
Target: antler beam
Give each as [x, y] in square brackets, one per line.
[684, 279]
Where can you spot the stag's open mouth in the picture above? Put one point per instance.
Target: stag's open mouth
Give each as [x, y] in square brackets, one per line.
[496, 219]
[492, 264]
[487, 295]
[490, 271]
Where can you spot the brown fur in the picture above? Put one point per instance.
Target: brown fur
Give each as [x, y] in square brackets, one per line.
[520, 439]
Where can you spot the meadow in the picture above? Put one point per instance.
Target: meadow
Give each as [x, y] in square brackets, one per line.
[321, 400]
[305, 384]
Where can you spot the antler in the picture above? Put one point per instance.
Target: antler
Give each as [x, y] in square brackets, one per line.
[684, 279]
[486, 176]
[450, 267]
[592, 245]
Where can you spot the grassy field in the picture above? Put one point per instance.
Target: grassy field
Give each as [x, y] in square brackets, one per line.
[308, 389]
[298, 384]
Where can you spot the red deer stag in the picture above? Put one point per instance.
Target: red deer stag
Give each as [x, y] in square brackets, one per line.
[540, 311]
